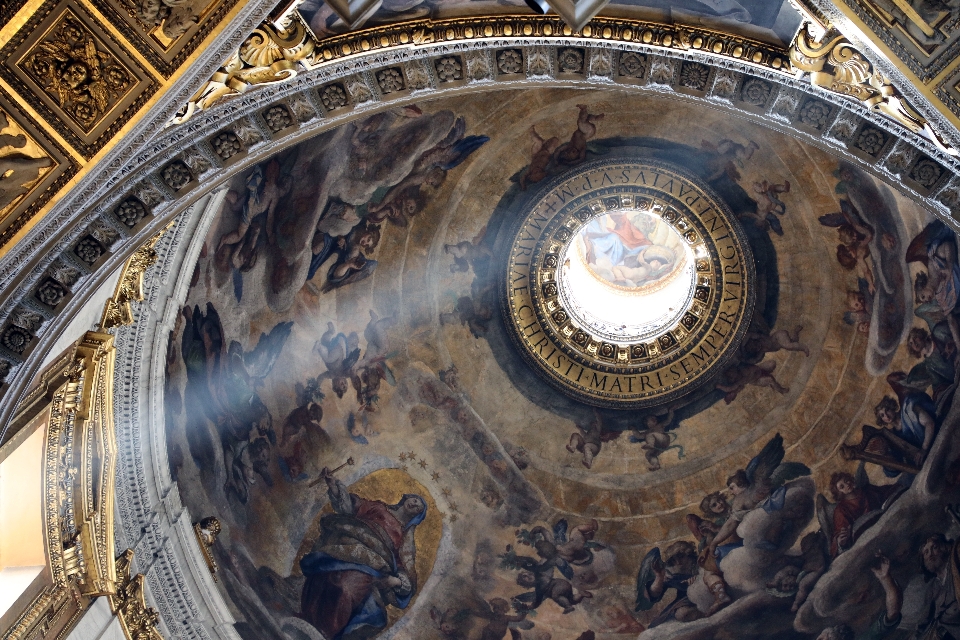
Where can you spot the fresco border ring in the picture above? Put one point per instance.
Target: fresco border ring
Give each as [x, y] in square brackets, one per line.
[571, 355]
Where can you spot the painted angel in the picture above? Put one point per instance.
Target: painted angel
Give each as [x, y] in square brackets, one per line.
[431, 167]
[856, 506]
[563, 545]
[761, 485]
[339, 352]
[673, 568]
[223, 382]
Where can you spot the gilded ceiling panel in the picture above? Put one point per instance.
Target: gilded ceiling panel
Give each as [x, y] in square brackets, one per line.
[165, 32]
[32, 168]
[76, 75]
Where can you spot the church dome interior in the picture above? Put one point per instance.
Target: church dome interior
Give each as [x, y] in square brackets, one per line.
[449, 320]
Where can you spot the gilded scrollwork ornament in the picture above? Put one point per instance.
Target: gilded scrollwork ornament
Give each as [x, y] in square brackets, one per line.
[138, 620]
[119, 310]
[835, 65]
[270, 54]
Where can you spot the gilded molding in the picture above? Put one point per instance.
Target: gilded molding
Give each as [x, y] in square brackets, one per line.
[138, 621]
[582, 354]
[206, 532]
[835, 65]
[271, 55]
[80, 457]
[167, 33]
[32, 168]
[118, 310]
[79, 466]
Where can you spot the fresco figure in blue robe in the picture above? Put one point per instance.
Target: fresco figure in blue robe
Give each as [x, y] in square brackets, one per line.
[913, 418]
[364, 560]
[937, 289]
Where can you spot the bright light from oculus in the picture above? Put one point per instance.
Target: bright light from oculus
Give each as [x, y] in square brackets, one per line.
[627, 276]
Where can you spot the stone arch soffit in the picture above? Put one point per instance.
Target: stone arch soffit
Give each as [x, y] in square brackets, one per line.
[182, 164]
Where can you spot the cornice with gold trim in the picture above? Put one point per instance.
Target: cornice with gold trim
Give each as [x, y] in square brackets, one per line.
[218, 142]
[834, 64]
[271, 55]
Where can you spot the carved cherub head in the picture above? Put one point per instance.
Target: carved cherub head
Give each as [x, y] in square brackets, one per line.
[209, 530]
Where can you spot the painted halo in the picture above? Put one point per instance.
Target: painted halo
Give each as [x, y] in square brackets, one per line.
[627, 283]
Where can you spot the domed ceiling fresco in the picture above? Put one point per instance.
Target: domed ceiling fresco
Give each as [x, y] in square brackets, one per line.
[393, 450]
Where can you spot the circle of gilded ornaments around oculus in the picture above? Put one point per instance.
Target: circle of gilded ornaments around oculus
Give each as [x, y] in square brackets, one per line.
[594, 369]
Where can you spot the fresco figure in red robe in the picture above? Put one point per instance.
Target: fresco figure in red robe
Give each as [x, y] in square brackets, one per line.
[364, 560]
[852, 502]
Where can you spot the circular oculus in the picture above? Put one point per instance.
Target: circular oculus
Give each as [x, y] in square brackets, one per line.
[627, 284]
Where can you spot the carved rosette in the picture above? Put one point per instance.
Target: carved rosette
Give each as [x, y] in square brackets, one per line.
[273, 55]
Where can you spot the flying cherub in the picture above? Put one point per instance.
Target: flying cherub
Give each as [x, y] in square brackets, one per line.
[727, 157]
[656, 438]
[451, 622]
[540, 158]
[539, 577]
[590, 438]
[499, 620]
[467, 253]
[769, 205]
[75, 73]
[735, 379]
[761, 340]
[563, 545]
[575, 151]
[761, 483]
[432, 166]
[768, 201]
[339, 353]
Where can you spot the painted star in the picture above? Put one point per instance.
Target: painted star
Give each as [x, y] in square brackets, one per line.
[453, 507]
[435, 475]
[423, 464]
[403, 457]
[446, 492]
[453, 518]
[404, 467]
[412, 455]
